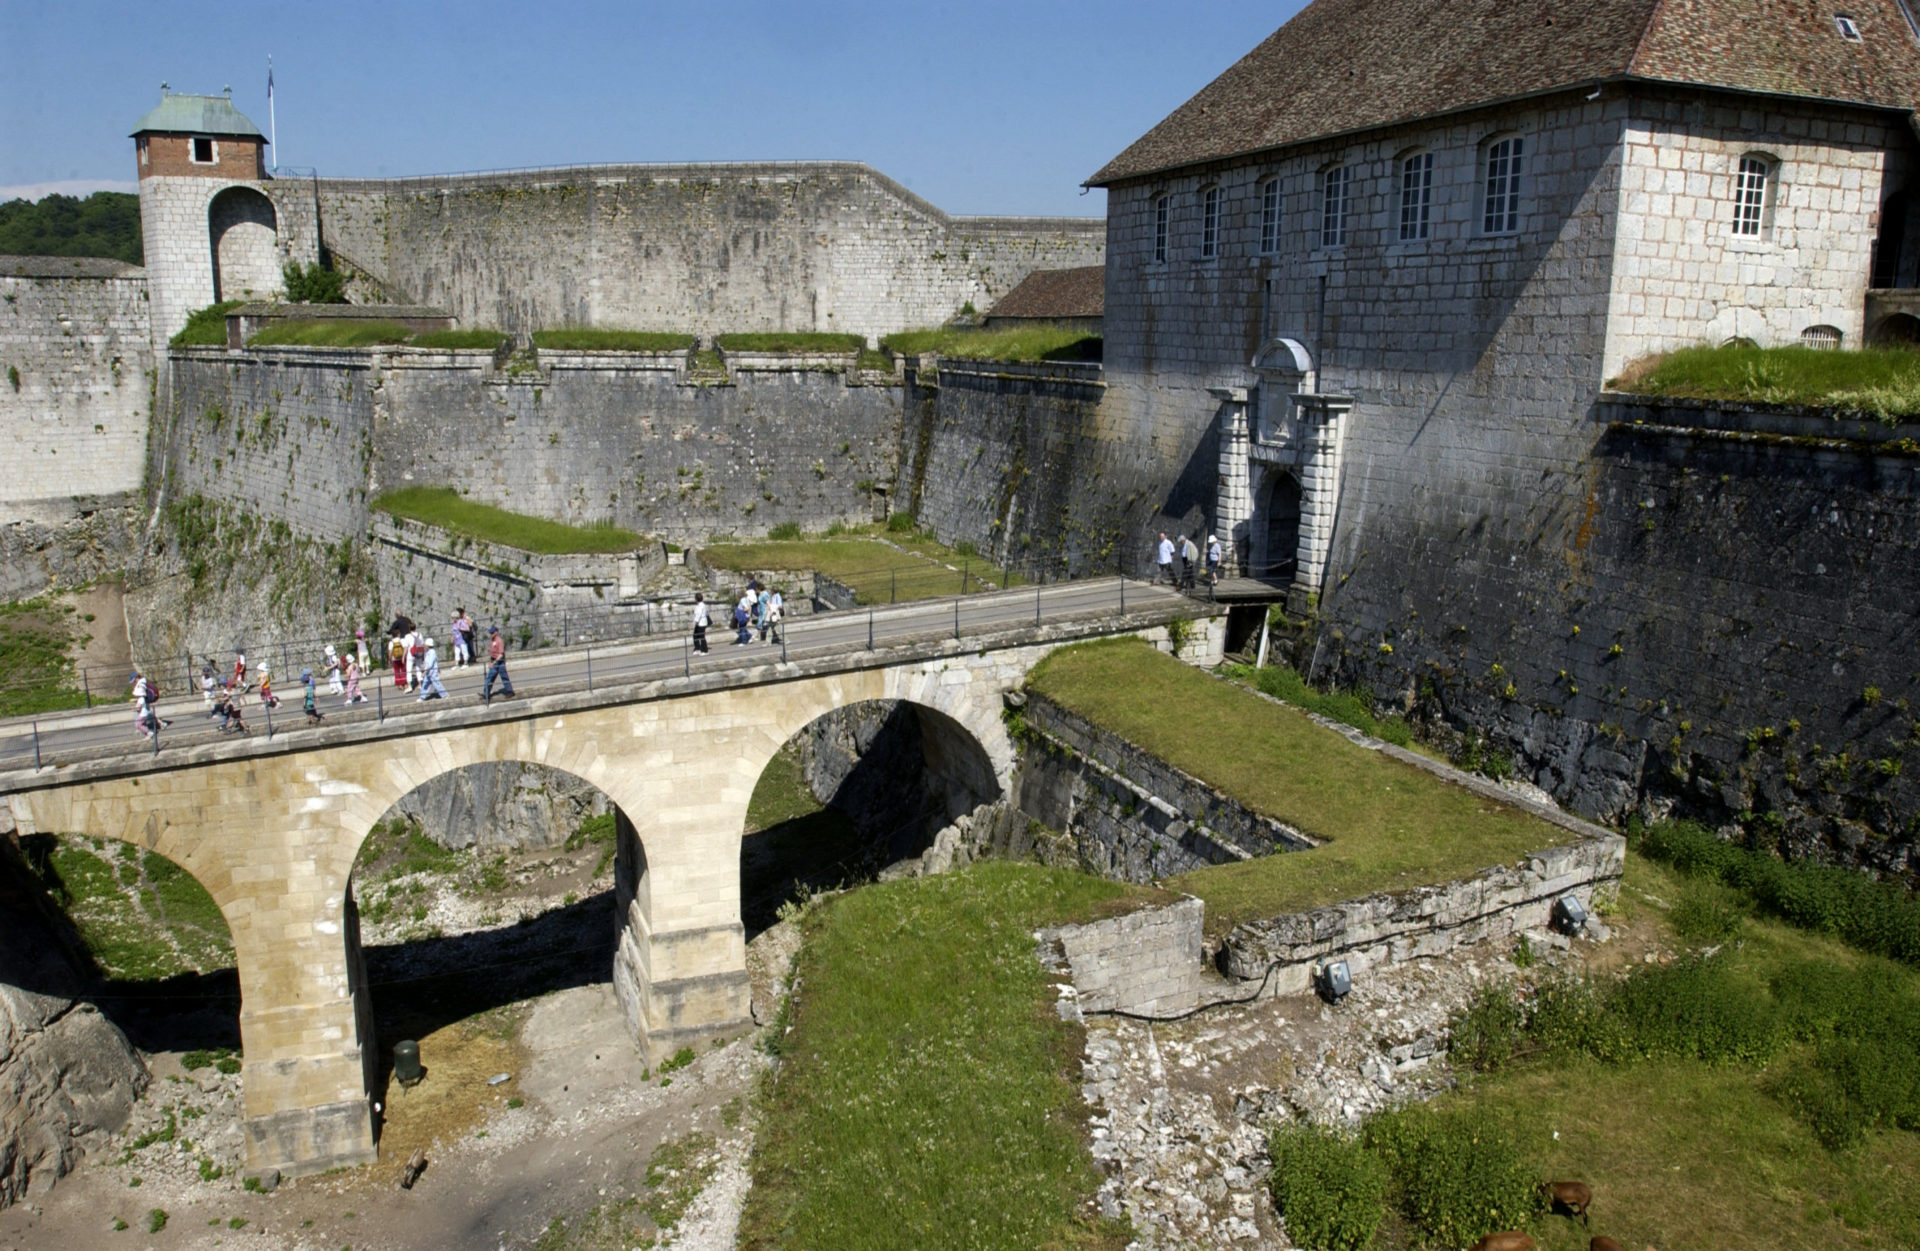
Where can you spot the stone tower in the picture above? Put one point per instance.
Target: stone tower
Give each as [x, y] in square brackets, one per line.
[210, 229]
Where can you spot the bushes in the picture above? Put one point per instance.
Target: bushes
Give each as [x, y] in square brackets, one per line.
[315, 284]
[206, 327]
[1854, 908]
[1457, 1175]
[1328, 1188]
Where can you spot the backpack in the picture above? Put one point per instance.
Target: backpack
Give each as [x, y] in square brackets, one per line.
[396, 650]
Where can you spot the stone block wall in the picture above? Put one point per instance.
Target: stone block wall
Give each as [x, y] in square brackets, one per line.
[1394, 927]
[705, 249]
[75, 380]
[1148, 962]
[1127, 814]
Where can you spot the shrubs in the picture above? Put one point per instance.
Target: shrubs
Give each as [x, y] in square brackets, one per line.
[1851, 906]
[1456, 1175]
[206, 327]
[1484, 1034]
[315, 284]
[1328, 1188]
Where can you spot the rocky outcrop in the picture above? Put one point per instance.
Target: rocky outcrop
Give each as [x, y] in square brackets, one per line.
[68, 1076]
[68, 545]
[498, 806]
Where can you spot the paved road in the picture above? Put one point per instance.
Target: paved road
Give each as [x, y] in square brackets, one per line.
[107, 731]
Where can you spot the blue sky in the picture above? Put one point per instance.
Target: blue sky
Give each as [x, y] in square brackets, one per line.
[983, 107]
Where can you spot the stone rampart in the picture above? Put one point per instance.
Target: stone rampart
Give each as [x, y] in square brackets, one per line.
[1128, 814]
[75, 364]
[707, 249]
[1147, 962]
[1396, 926]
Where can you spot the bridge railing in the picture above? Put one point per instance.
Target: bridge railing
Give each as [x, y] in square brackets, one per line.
[55, 688]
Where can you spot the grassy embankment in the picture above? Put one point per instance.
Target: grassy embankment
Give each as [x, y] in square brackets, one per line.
[927, 1097]
[446, 508]
[1883, 382]
[1387, 825]
[1708, 1102]
[142, 917]
[607, 339]
[37, 673]
[889, 564]
[1045, 342]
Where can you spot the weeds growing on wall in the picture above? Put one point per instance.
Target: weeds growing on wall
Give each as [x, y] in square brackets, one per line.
[206, 327]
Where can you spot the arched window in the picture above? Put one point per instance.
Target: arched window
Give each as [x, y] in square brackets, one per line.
[1416, 194]
[243, 235]
[1160, 211]
[1210, 222]
[1336, 185]
[1505, 167]
[1752, 195]
[1270, 215]
[1826, 338]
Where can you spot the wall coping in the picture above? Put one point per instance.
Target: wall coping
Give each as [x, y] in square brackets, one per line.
[1684, 415]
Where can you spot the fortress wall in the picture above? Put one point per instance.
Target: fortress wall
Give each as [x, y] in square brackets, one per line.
[74, 388]
[707, 249]
[285, 434]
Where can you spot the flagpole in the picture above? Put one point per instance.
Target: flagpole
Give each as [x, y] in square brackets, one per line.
[273, 131]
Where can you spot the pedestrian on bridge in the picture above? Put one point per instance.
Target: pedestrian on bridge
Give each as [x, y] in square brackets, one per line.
[307, 697]
[1189, 556]
[776, 611]
[1213, 560]
[430, 687]
[353, 682]
[701, 621]
[496, 665]
[1163, 560]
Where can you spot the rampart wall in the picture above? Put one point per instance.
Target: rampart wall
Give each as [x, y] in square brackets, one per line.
[74, 381]
[707, 249]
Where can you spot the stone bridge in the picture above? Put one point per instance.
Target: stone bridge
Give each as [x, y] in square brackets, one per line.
[272, 829]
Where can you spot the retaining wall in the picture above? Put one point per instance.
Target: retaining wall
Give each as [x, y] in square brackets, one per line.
[1147, 961]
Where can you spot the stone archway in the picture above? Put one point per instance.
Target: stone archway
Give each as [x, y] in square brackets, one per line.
[1278, 528]
[243, 237]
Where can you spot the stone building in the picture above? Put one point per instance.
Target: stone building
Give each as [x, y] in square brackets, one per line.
[1385, 262]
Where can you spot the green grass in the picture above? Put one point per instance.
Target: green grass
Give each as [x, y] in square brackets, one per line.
[141, 916]
[206, 327]
[1347, 707]
[928, 1097]
[1885, 382]
[446, 508]
[1024, 343]
[907, 566]
[299, 332]
[1689, 1155]
[592, 339]
[489, 339]
[1388, 825]
[796, 342]
[37, 672]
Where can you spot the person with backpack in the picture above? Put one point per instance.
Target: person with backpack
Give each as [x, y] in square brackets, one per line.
[742, 617]
[307, 698]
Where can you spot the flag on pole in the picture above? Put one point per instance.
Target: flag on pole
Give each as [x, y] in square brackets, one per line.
[273, 130]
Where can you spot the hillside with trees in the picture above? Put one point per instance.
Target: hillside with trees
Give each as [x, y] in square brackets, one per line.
[106, 223]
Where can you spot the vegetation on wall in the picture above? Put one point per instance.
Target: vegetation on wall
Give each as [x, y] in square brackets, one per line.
[793, 342]
[106, 223]
[206, 327]
[447, 509]
[1045, 342]
[331, 333]
[1883, 381]
[315, 283]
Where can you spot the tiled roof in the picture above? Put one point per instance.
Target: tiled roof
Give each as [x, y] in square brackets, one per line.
[1348, 65]
[182, 114]
[1056, 293]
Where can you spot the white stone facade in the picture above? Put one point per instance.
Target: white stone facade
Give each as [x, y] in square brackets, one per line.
[177, 227]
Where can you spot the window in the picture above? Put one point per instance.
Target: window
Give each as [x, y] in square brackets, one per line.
[1416, 194]
[1334, 198]
[1826, 338]
[143, 152]
[1160, 229]
[203, 151]
[1750, 196]
[1848, 28]
[1210, 222]
[1270, 215]
[1505, 163]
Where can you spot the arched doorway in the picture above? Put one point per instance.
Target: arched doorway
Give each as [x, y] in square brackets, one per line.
[1897, 330]
[243, 235]
[1279, 528]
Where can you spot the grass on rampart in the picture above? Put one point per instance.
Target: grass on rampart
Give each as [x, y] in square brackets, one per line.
[1884, 382]
[1387, 824]
[928, 1097]
[795, 342]
[596, 339]
[298, 332]
[36, 662]
[478, 338]
[907, 565]
[1713, 1150]
[446, 508]
[206, 327]
[1045, 342]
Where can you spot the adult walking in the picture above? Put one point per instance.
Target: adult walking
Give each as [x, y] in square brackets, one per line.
[496, 665]
[430, 687]
[701, 620]
[1213, 560]
[1163, 560]
[1189, 556]
[776, 611]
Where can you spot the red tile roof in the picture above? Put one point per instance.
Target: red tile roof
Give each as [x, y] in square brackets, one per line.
[1056, 293]
[1348, 65]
